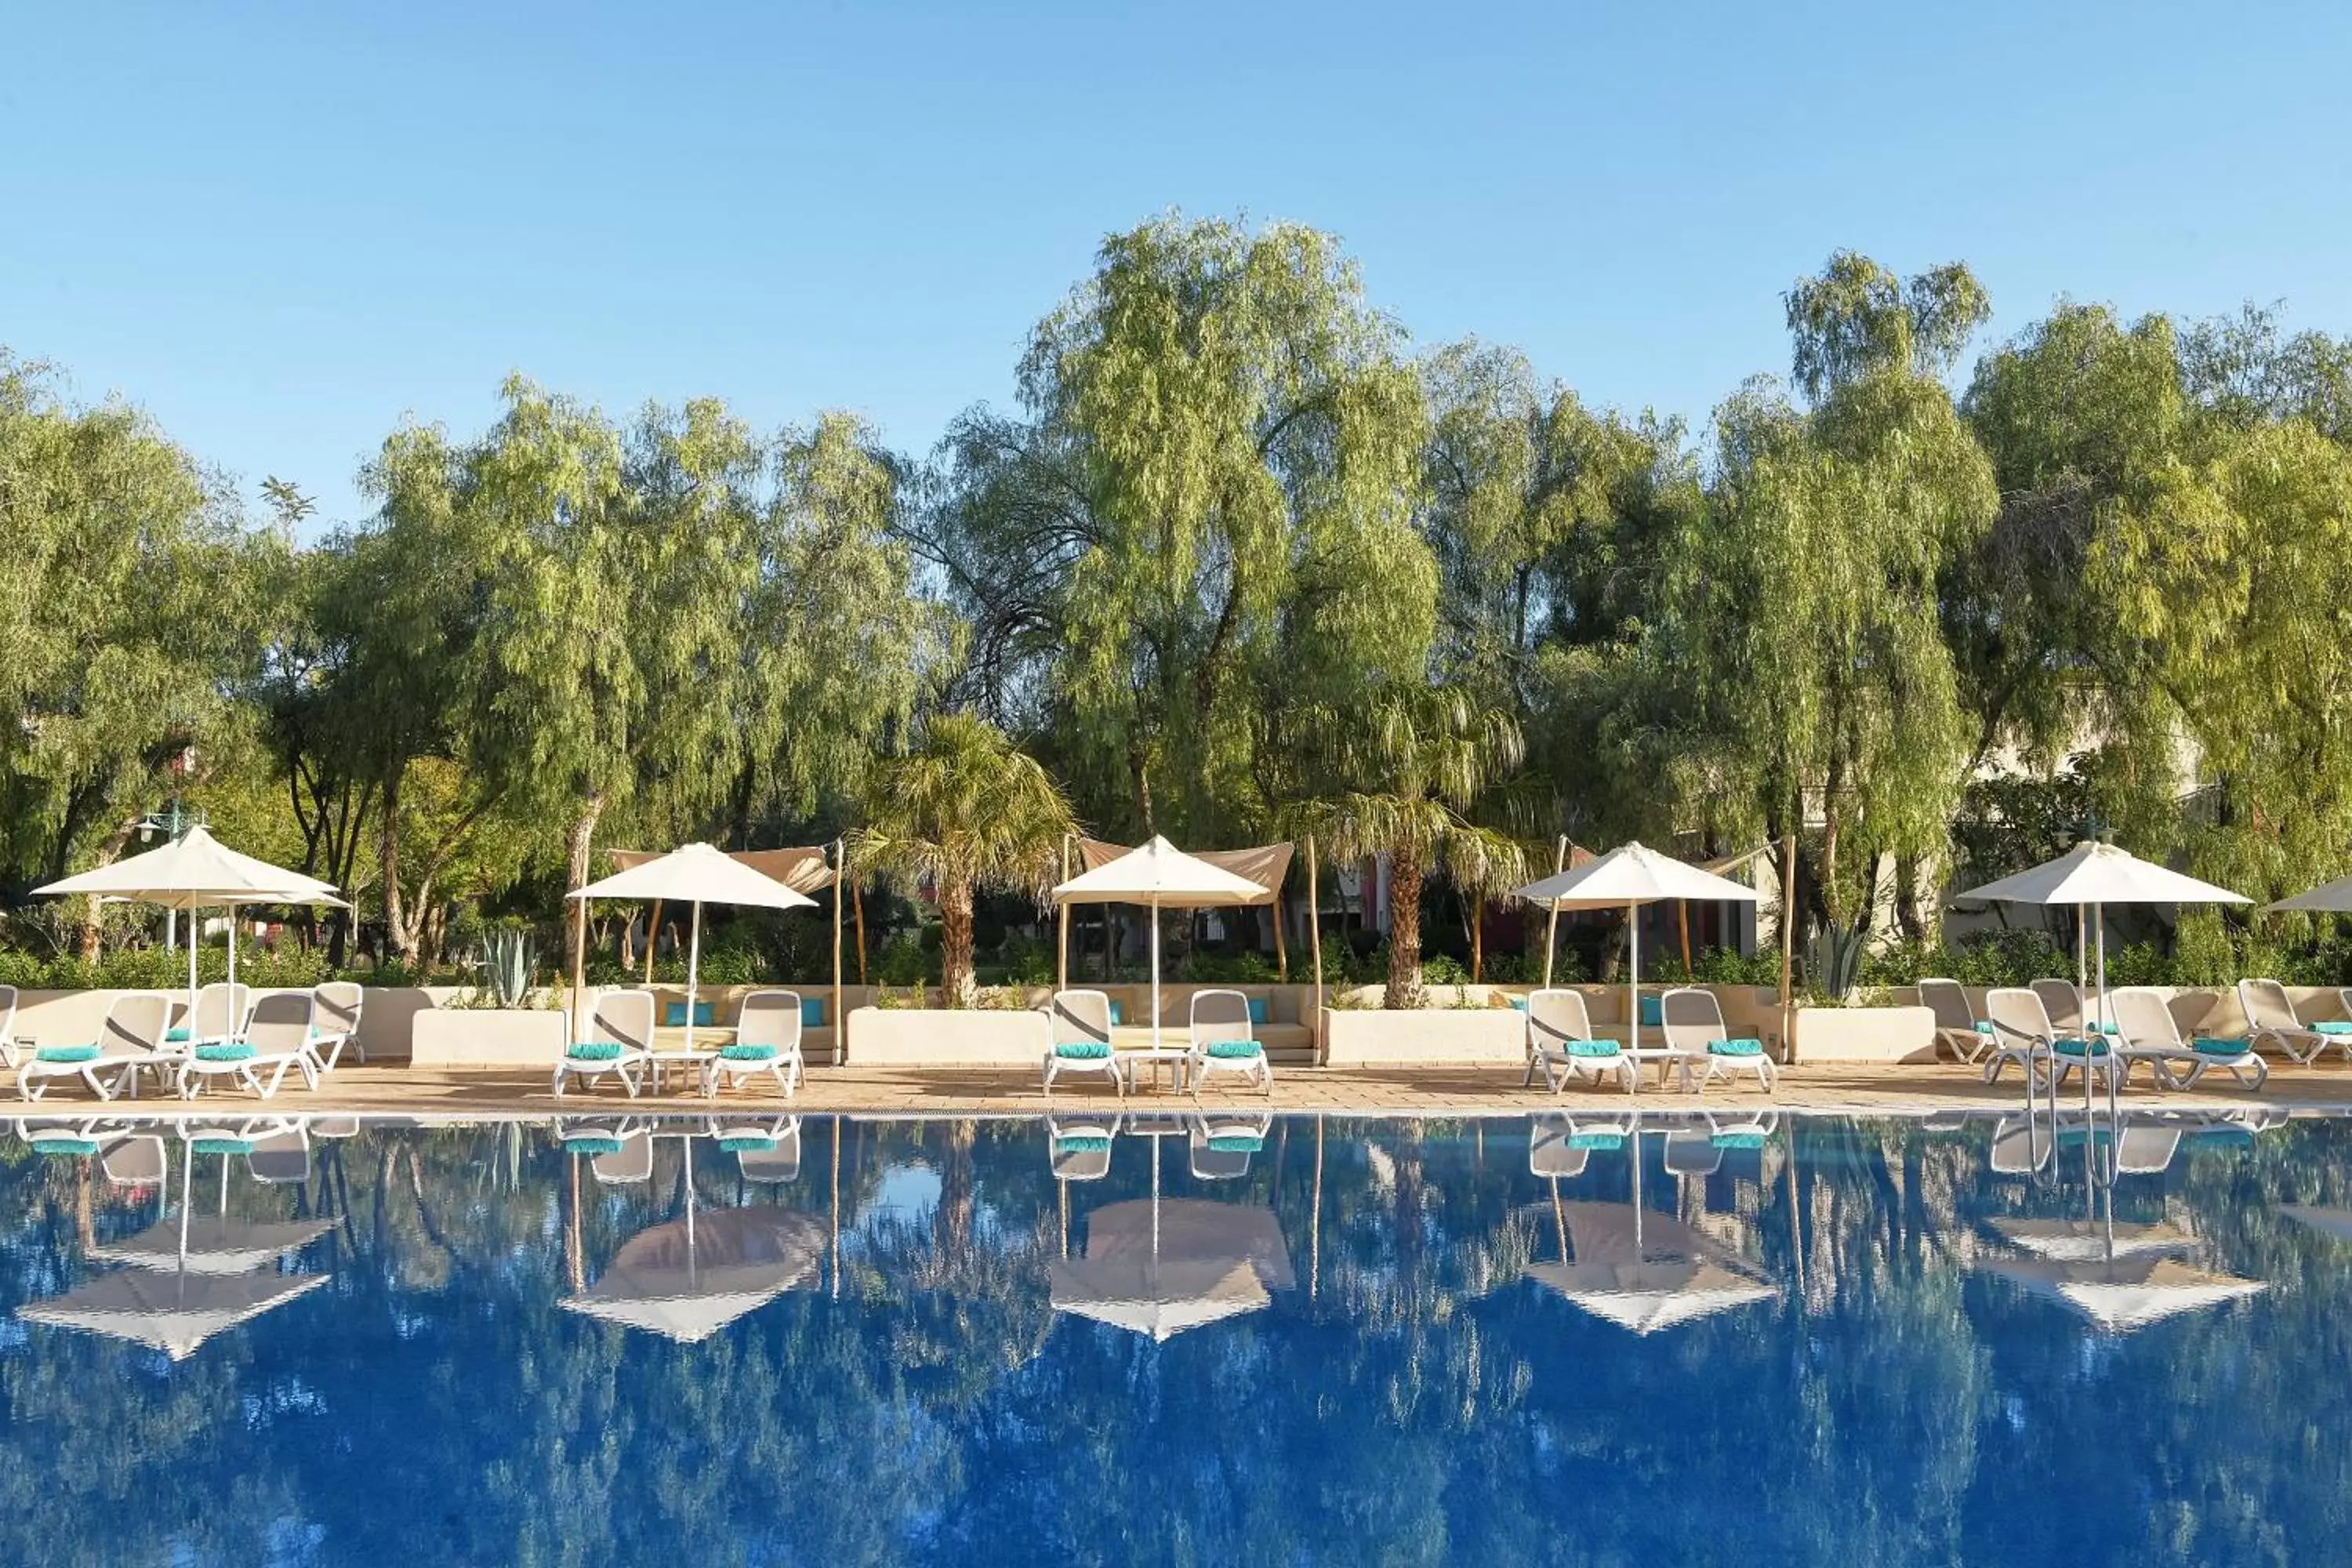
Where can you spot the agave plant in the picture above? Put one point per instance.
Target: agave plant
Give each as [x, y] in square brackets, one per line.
[1833, 959]
[510, 959]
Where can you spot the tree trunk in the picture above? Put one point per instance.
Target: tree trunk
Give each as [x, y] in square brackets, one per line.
[93, 926]
[577, 844]
[957, 986]
[1404, 927]
[388, 864]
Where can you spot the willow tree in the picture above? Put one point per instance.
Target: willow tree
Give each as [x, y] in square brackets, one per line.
[962, 809]
[1221, 445]
[129, 618]
[1409, 764]
[1803, 614]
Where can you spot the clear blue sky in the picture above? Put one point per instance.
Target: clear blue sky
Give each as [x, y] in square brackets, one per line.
[281, 229]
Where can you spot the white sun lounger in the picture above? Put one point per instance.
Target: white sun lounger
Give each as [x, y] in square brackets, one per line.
[2023, 1031]
[2271, 1016]
[764, 1151]
[620, 1042]
[2151, 1034]
[1562, 1047]
[616, 1152]
[334, 1024]
[277, 1040]
[1078, 1038]
[1692, 1020]
[767, 1040]
[1223, 1041]
[1957, 1026]
[131, 1039]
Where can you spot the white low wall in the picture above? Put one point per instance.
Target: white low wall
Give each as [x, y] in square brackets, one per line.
[928, 1036]
[508, 1037]
[1370, 1038]
[1865, 1035]
[74, 1017]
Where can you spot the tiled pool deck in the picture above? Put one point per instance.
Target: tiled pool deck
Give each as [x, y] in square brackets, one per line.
[1827, 1087]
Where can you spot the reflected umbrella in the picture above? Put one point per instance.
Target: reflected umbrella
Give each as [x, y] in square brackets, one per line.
[1159, 1267]
[1646, 1272]
[2080, 1241]
[2124, 1293]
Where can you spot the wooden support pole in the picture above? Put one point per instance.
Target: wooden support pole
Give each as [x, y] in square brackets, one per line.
[1062, 921]
[857, 914]
[1551, 922]
[652, 940]
[1315, 934]
[1281, 946]
[1787, 946]
[840, 1018]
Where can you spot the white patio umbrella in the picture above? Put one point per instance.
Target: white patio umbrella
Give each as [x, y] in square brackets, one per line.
[196, 871]
[1158, 873]
[2329, 899]
[2122, 1294]
[2093, 876]
[696, 874]
[1625, 879]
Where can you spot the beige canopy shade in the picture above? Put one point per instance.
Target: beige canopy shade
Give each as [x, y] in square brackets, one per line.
[1160, 1268]
[175, 1313]
[2329, 899]
[1263, 867]
[2081, 1241]
[211, 1245]
[1162, 877]
[1647, 1271]
[804, 870]
[2126, 1293]
[690, 1278]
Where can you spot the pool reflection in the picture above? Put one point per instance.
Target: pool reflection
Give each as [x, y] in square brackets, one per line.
[1121, 1337]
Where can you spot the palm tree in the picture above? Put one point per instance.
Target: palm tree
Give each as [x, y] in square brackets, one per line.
[965, 809]
[1412, 761]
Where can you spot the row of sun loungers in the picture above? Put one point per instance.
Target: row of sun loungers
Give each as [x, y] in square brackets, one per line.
[230, 1034]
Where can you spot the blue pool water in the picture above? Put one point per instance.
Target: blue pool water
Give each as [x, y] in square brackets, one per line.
[1307, 1342]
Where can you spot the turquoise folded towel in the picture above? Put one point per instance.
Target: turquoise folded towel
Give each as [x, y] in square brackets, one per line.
[1596, 1141]
[1984, 1027]
[2333, 1026]
[221, 1146]
[592, 1145]
[1261, 1010]
[1230, 1050]
[67, 1146]
[747, 1145]
[1734, 1047]
[66, 1056]
[2221, 1047]
[226, 1051]
[1081, 1145]
[595, 1051]
[1518, 1003]
[177, 1036]
[1603, 1049]
[1236, 1144]
[1082, 1050]
[740, 1053]
[1738, 1140]
[2072, 1046]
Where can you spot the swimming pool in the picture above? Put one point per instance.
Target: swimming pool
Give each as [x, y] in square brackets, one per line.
[1599, 1341]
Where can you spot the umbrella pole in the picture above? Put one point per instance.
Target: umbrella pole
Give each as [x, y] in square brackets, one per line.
[653, 939]
[1155, 1022]
[192, 978]
[693, 962]
[840, 878]
[1062, 922]
[1315, 935]
[1633, 992]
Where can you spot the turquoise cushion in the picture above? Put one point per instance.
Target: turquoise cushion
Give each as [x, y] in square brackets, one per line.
[1081, 1144]
[178, 1035]
[746, 1145]
[2221, 1047]
[1082, 1050]
[221, 1146]
[1590, 1047]
[748, 1053]
[1115, 1012]
[812, 1012]
[2074, 1047]
[705, 1014]
[1596, 1140]
[595, 1051]
[1654, 1010]
[1229, 1050]
[1518, 1003]
[1236, 1144]
[1734, 1047]
[1984, 1027]
[1738, 1140]
[66, 1055]
[67, 1146]
[226, 1051]
[592, 1145]
[1261, 1010]
[2333, 1026]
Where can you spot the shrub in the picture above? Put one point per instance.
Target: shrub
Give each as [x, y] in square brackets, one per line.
[901, 961]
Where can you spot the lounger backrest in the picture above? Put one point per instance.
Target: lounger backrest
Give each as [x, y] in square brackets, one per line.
[281, 1023]
[2063, 1003]
[2017, 1018]
[2144, 1019]
[780, 1164]
[635, 1160]
[336, 1007]
[134, 1160]
[8, 1013]
[625, 1018]
[1220, 1015]
[1555, 1015]
[1552, 1149]
[769, 1018]
[2144, 1147]
[1692, 1019]
[281, 1157]
[135, 1024]
[1949, 1000]
[220, 1010]
[1080, 1018]
[2266, 1006]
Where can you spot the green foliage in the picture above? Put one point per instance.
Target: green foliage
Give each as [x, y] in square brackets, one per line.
[509, 961]
[901, 961]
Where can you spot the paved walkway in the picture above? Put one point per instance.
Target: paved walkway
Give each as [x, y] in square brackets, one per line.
[1833, 1088]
